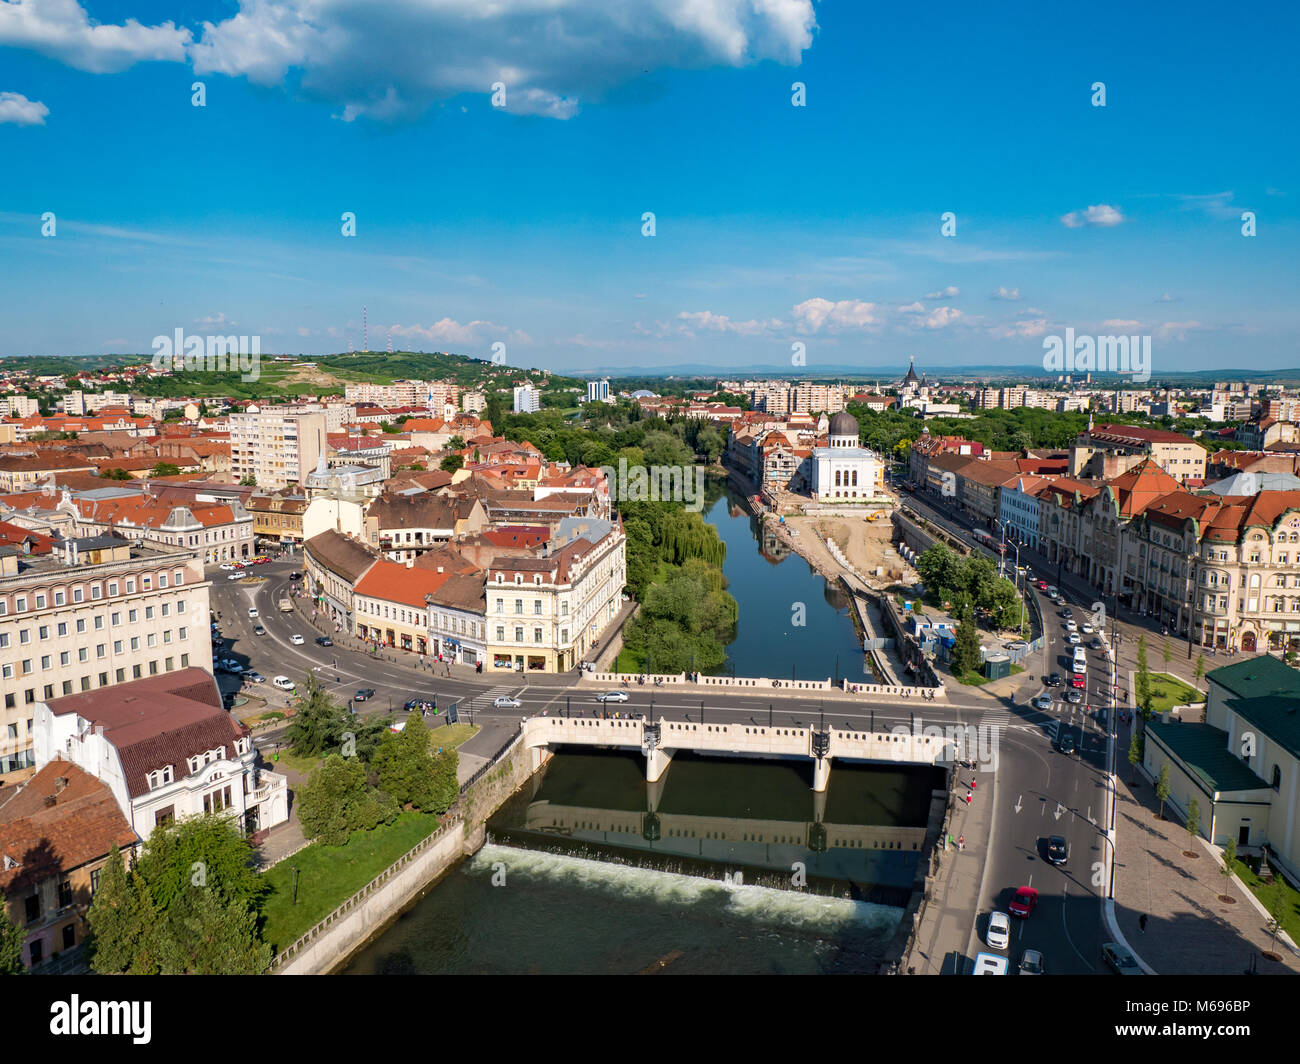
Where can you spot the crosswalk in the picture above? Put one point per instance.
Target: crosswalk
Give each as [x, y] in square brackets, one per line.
[996, 719]
[497, 692]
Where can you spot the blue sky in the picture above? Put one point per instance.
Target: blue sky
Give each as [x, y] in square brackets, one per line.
[774, 223]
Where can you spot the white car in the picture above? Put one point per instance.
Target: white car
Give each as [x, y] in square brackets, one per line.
[1071, 626]
[235, 576]
[1073, 639]
[252, 611]
[226, 566]
[1086, 629]
[283, 683]
[296, 639]
[612, 696]
[998, 935]
[506, 702]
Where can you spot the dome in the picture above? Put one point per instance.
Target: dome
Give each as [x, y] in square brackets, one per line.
[844, 424]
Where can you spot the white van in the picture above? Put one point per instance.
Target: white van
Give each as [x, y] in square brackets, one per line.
[990, 964]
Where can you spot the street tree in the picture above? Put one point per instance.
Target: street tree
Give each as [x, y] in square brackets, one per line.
[1229, 859]
[1193, 822]
[1199, 674]
[11, 945]
[1162, 788]
[1134, 755]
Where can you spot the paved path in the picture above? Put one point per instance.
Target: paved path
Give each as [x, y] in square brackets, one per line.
[1189, 930]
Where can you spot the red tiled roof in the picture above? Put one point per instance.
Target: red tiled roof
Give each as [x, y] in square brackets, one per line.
[394, 582]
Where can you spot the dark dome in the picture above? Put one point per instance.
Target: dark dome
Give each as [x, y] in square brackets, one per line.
[844, 424]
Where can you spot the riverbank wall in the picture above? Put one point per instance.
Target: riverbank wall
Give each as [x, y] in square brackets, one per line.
[329, 945]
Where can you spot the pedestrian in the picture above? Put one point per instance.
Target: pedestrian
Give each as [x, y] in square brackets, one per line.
[961, 842]
[1142, 923]
[974, 783]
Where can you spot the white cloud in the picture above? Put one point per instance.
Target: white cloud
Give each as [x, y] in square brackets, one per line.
[1215, 204]
[550, 56]
[951, 292]
[1177, 329]
[61, 30]
[707, 321]
[1102, 214]
[941, 317]
[1167, 298]
[912, 308]
[215, 319]
[813, 314]
[18, 109]
[1026, 328]
[1120, 323]
[1009, 294]
[448, 331]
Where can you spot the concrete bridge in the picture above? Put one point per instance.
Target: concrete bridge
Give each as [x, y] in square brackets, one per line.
[659, 740]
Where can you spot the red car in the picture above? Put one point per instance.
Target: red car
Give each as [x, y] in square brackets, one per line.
[1079, 681]
[1042, 585]
[1024, 901]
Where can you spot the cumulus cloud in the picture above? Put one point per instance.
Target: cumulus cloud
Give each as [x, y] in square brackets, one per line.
[1177, 329]
[1026, 328]
[450, 332]
[19, 110]
[812, 315]
[215, 319]
[941, 317]
[1009, 294]
[951, 292]
[61, 29]
[691, 322]
[912, 308]
[387, 63]
[1102, 214]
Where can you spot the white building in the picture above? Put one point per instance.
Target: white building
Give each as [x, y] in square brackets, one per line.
[528, 400]
[845, 469]
[166, 748]
[276, 448]
[598, 391]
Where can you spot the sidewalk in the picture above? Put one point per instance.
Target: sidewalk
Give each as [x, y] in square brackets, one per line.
[1190, 930]
[943, 938]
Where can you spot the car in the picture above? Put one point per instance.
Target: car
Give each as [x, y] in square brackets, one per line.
[1096, 644]
[1058, 850]
[612, 696]
[283, 683]
[1074, 697]
[1054, 680]
[1086, 629]
[1066, 742]
[252, 611]
[1073, 639]
[295, 576]
[1079, 682]
[258, 630]
[226, 566]
[363, 694]
[296, 639]
[1052, 589]
[1041, 585]
[989, 964]
[235, 576]
[998, 936]
[1042, 702]
[1070, 626]
[505, 702]
[1024, 901]
[1119, 959]
[1067, 613]
[324, 641]
[1031, 963]
[261, 559]
[421, 705]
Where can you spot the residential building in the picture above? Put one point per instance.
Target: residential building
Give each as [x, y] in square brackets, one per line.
[332, 565]
[89, 615]
[1109, 450]
[528, 400]
[275, 449]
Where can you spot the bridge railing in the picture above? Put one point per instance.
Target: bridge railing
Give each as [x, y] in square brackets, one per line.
[766, 684]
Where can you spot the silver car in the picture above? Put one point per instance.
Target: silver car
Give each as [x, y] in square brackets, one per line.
[506, 702]
[612, 696]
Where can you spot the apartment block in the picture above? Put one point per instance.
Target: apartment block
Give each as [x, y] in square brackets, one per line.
[276, 448]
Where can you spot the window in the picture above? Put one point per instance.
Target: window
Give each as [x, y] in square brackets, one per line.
[537, 635]
[164, 816]
[25, 636]
[95, 592]
[130, 586]
[501, 606]
[501, 633]
[537, 607]
[20, 604]
[94, 881]
[519, 605]
[133, 616]
[59, 598]
[519, 635]
[81, 625]
[116, 619]
[65, 894]
[33, 912]
[99, 622]
[148, 613]
[43, 632]
[40, 601]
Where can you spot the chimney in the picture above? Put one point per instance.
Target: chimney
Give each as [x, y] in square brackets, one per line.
[60, 784]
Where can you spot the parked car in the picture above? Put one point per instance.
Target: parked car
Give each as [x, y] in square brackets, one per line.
[1120, 960]
[1024, 901]
[235, 576]
[1031, 963]
[363, 694]
[226, 566]
[1058, 850]
[612, 696]
[998, 936]
[283, 683]
[505, 702]
[324, 641]
[1042, 702]
[296, 639]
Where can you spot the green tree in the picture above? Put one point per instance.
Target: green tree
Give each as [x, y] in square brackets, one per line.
[1199, 674]
[1229, 860]
[456, 443]
[1193, 822]
[446, 784]
[966, 649]
[165, 469]
[337, 800]
[405, 766]
[204, 934]
[1166, 653]
[249, 481]
[1134, 755]
[12, 938]
[318, 724]
[1143, 680]
[452, 463]
[200, 851]
[1162, 788]
[115, 474]
[116, 923]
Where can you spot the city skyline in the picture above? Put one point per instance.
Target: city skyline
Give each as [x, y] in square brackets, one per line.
[774, 224]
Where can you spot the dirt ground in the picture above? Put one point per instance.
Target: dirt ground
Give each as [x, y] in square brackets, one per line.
[864, 543]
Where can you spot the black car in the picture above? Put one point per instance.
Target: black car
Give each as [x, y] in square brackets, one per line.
[1054, 680]
[421, 705]
[324, 641]
[295, 576]
[1067, 613]
[1058, 851]
[1067, 742]
[363, 694]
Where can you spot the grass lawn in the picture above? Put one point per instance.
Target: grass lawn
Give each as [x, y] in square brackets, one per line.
[1168, 691]
[451, 735]
[297, 762]
[329, 875]
[1290, 916]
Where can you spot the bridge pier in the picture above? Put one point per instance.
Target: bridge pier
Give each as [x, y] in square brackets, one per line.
[819, 806]
[821, 775]
[654, 792]
[657, 761]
